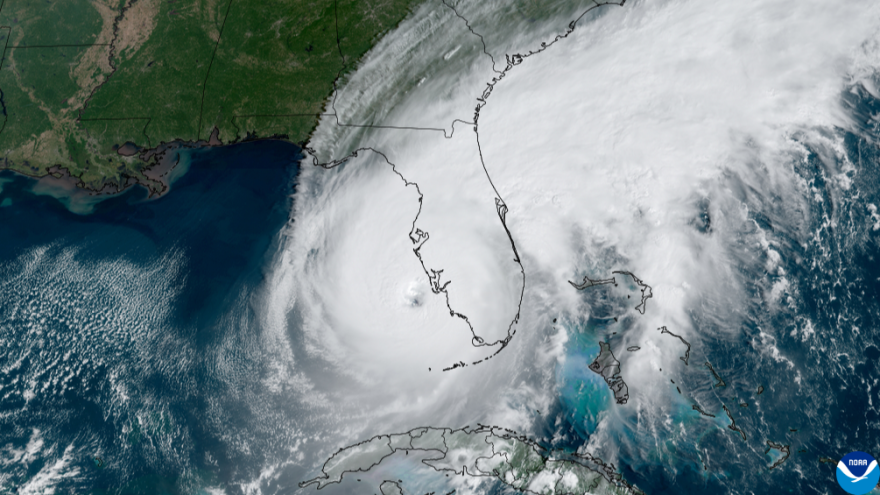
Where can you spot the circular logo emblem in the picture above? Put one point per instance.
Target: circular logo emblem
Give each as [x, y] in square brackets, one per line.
[857, 473]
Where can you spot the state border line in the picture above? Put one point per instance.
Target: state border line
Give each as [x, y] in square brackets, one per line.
[110, 56]
[501, 207]
[208, 73]
[2, 60]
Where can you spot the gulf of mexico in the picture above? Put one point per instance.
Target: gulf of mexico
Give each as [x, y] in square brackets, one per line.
[127, 333]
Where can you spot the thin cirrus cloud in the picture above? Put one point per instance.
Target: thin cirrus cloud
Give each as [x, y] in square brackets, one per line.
[605, 148]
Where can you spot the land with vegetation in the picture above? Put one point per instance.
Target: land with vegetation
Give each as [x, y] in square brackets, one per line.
[88, 87]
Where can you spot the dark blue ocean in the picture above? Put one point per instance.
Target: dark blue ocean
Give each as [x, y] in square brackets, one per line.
[110, 324]
[130, 360]
[801, 377]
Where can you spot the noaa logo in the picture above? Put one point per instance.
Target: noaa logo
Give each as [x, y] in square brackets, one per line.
[857, 473]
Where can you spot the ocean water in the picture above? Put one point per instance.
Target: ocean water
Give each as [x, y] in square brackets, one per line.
[126, 335]
[132, 360]
[800, 369]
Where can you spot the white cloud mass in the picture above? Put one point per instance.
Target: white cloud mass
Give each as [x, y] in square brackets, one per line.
[606, 148]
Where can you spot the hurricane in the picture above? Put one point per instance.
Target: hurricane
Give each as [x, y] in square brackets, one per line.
[536, 247]
[718, 153]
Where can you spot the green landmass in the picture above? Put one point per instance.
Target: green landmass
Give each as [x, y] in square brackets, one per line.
[486, 451]
[81, 78]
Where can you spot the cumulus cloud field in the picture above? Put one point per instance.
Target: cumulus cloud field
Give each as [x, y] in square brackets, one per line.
[478, 160]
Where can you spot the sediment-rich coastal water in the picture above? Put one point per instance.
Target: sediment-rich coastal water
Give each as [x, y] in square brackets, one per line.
[124, 358]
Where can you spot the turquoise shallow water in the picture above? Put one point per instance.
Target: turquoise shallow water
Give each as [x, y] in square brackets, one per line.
[802, 373]
[129, 356]
[583, 394]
